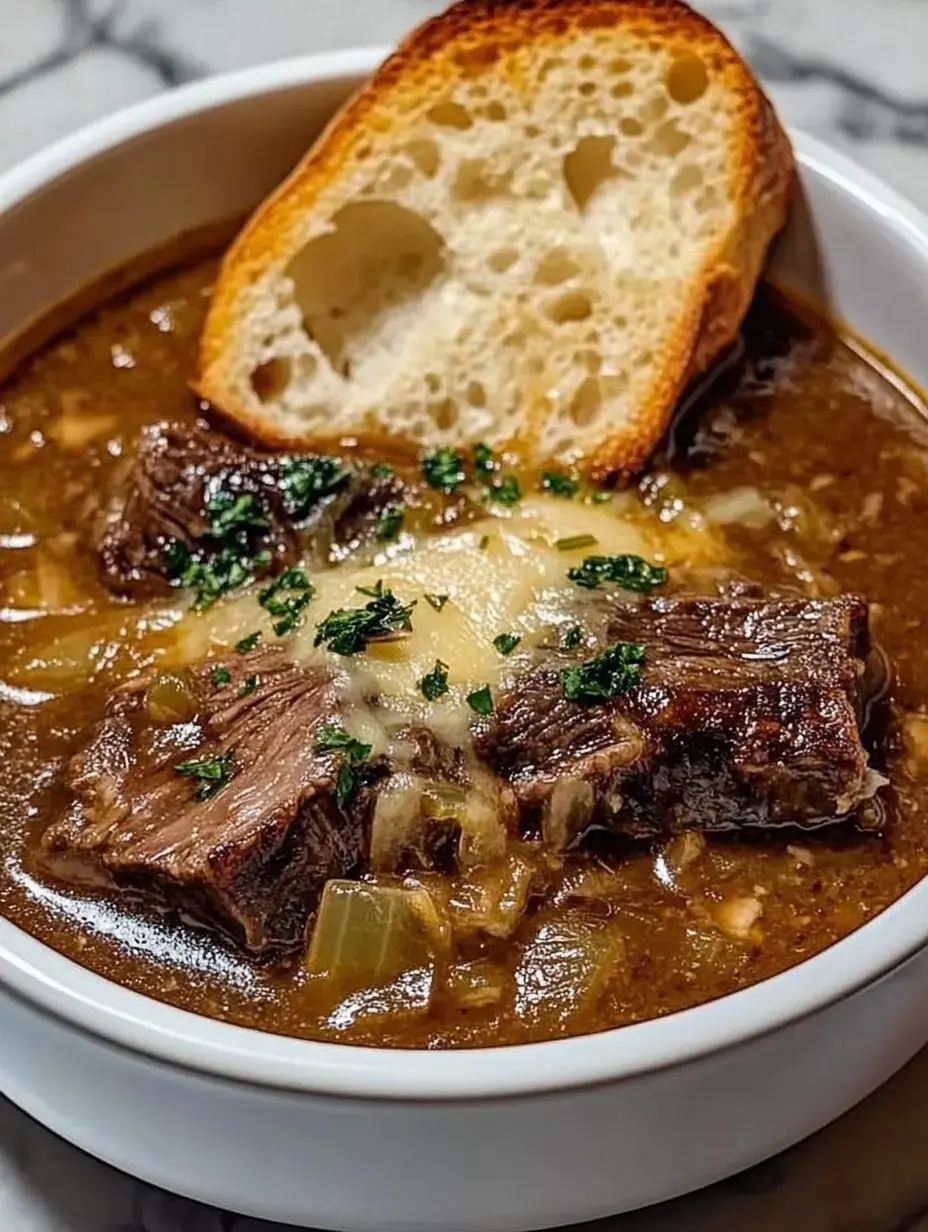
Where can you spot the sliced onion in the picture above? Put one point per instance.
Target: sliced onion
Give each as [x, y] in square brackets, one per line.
[483, 833]
[397, 821]
[492, 900]
[408, 996]
[476, 985]
[171, 698]
[567, 813]
[740, 506]
[566, 966]
[366, 935]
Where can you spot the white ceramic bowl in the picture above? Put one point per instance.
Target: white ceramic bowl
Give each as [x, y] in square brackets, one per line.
[516, 1138]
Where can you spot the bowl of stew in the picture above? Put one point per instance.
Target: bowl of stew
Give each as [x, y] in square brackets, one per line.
[530, 1030]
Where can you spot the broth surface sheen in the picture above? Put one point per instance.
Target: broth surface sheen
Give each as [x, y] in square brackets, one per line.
[803, 469]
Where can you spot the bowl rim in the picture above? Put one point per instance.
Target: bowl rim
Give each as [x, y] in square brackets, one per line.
[38, 974]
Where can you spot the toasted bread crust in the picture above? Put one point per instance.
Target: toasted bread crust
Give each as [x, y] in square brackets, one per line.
[473, 38]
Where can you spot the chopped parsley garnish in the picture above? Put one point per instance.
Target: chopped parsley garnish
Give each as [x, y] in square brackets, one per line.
[600, 497]
[333, 739]
[285, 598]
[629, 572]
[435, 683]
[390, 523]
[575, 542]
[352, 772]
[248, 686]
[572, 638]
[481, 700]
[229, 513]
[227, 557]
[305, 481]
[220, 676]
[615, 671]
[211, 773]
[380, 470]
[436, 601]
[176, 558]
[372, 592]
[346, 631]
[505, 490]
[559, 484]
[249, 642]
[443, 470]
[507, 642]
[484, 462]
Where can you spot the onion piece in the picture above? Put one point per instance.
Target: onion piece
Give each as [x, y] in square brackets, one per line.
[568, 811]
[171, 698]
[366, 935]
[492, 900]
[397, 821]
[739, 506]
[478, 984]
[408, 996]
[565, 967]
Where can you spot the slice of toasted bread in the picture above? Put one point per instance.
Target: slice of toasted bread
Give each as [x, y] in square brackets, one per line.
[537, 222]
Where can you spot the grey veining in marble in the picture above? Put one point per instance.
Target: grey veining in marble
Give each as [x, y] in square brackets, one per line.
[851, 71]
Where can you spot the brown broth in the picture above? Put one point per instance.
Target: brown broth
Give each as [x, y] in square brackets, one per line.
[798, 416]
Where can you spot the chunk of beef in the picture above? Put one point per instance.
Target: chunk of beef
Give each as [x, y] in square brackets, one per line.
[747, 713]
[180, 471]
[250, 859]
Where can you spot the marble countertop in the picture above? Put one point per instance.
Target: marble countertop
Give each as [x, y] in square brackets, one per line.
[851, 71]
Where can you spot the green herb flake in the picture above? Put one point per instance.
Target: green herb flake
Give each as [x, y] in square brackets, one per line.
[505, 491]
[629, 572]
[507, 642]
[484, 462]
[228, 555]
[380, 470]
[347, 631]
[615, 671]
[331, 738]
[560, 484]
[304, 482]
[600, 497]
[483, 542]
[390, 523]
[211, 773]
[229, 513]
[436, 601]
[435, 683]
[220, 675]
[249, 642]
[443, 470]
[481, 700]
[372, 592]
[352, 772]
[575, 542]
[572, 638]
[248, 686]
[176, 558]
[285, 598]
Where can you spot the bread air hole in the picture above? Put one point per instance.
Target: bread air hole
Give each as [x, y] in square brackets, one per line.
[502, 260]
[687, 79]
[670, 140]
[476, 394]
[425, 156]
[269, 380]
[686, 180]
[586, 403]
[377, 258]
[556, 267]
[573, 306]
[444, 413]
[587, 167]
[476, 181]
[450, 115]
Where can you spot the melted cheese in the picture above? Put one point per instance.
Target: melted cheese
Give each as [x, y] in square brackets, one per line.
[516, 583]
